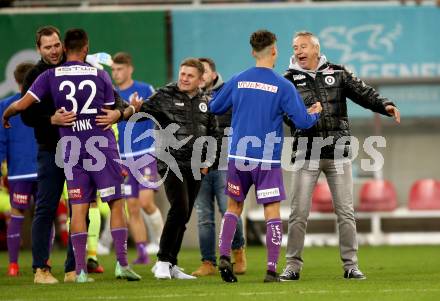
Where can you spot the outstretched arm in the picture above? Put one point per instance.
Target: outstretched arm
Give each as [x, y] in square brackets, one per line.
[365, 95]
[15, 108]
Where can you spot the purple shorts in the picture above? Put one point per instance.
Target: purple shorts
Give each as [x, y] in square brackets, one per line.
[269, 185]
[149, 178]
[108, 182]
[21, 193]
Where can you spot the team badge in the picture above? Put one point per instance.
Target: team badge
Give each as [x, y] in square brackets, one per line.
[203, 107]
[329, 80]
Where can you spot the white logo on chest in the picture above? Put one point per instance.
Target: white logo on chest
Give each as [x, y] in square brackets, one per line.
[299, 77]
[329, 80]
[203, 107]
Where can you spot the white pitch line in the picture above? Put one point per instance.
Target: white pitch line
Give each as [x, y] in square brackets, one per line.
[261, 293]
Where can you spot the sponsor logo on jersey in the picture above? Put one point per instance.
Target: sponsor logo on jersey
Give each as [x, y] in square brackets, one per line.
[180, 104]
[299, 76]
[301, 84]
[203, 107]
[234, 189]
[329, 80]
[268, 193]
[76, 70]
[74, 193]
[20, 198]
[257, 86]
[105, 192]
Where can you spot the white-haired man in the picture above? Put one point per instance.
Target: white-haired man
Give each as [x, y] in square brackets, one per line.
[316, 78]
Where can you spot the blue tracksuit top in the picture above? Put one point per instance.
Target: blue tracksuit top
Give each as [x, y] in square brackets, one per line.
[18, 146]
[145, 145]
[259, 98]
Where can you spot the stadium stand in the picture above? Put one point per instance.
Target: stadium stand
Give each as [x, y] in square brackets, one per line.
[424, 195]
[377, 195]
[322, 198]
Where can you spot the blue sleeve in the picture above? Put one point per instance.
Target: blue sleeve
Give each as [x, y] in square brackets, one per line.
[150, 91]
[222, 99]
[294, 107]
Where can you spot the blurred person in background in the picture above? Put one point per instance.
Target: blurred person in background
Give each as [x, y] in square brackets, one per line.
[140, 196]
[212, 189]
[317, 79]
[19, 148]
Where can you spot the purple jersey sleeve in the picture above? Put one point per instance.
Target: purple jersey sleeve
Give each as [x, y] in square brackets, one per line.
[40, 89]
[109, 96]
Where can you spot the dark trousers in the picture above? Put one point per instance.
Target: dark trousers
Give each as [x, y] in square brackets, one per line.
[181, 196]
[50, 187]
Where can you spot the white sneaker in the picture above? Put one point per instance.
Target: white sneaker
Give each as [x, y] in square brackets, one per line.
[102, 250]
[152, 248]
[161, 270]
[177, 273]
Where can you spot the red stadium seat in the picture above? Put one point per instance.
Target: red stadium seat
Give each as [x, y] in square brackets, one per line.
[424, 195]
[377, 195]
[322, 198]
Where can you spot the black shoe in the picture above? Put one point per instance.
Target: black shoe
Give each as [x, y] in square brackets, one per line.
[354, 274]
[225, 268]
[93, 267]
[289, 275]
[271, 277]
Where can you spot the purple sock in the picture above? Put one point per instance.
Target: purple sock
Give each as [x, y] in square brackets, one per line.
[14, 237]
[141, 249]
[227, 231]
[120, 242]
[79, 242]
[274, 233]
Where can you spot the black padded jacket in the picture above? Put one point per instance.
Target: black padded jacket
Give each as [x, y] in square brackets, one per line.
[169, 105]
[331, 85]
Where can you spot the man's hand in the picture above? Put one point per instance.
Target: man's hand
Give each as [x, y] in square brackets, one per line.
[204, 170]
[393, 111]
[106, 120]
[315, 108]
[8, 113]
[5, 122]
[136, 101]
[63, 118]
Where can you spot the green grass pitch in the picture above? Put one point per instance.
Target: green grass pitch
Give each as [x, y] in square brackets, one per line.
[394, 273]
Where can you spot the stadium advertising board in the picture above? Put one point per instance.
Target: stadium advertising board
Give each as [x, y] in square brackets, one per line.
[385, 41]
[142, 34]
